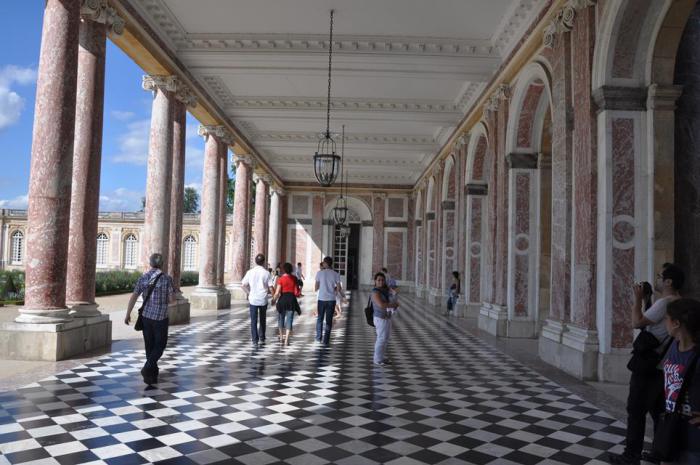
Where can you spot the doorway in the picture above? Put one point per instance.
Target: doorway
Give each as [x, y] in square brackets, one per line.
[353, 270]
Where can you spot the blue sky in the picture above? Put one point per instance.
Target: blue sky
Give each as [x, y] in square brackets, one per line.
[126, 117]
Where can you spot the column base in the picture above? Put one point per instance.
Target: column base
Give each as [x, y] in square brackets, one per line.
[612, 367]
[420, 292]
[493, 319]
[571, 349]
[210, 298]
[53, 342]
[179, 312]
[83, 309]
[237, 293]
[44, 316]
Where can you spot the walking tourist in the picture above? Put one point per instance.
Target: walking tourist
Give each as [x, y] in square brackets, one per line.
[158, 291]
[383, 306]
[287, 303]
[256, 283]
[327, 285]
[300, 278]
[647, 380]
[683, 324]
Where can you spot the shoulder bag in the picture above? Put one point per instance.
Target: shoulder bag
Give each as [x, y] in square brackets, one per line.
[669, 437]
[138, 326]
[369, 312]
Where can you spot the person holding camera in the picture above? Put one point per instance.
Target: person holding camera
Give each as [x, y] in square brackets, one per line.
[646, 391]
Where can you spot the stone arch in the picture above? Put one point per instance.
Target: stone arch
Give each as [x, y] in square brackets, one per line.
[358, 210]
[476, 153]
[531, 100]
[449, 180]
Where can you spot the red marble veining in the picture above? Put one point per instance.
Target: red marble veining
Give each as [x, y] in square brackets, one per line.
[209, 218]
[395, 207]
[156, 225]
[241, 221]
[430, 248]
[52, 160]
[461, 229]
[527, 114]
[420, 278]
[261, 216]
[87, 155]
[628, 37]
[411, 242]
[177, 192]
[501, 237]
[561, 179]
[489, 244]
[522, 203]
[317, 231]
[221, 221]
[475, 224]
[378, 231]
[448, 248]
[585, 172]
[299, 237]
[394, 254]
[436, 273]
[479, 156]
[623, 204]
[521, 283]
[452, 184]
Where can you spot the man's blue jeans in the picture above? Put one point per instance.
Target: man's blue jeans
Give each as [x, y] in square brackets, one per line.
[258, 312]
[325, 312]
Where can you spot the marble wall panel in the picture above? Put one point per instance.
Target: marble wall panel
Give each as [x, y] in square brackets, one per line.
[475, 241]
[526, 119]
[395, 207]
[394, 253]
[300, 205]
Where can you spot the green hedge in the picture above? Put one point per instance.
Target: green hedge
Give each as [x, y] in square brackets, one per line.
[106, 282]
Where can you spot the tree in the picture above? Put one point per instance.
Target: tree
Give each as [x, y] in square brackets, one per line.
[191, 203]
[231, 194]
[143, 204]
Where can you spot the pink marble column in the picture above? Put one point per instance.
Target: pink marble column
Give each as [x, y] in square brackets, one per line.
[52, 165]
[378, 231]
[223, 196]
[183, 99]
[211, 198]
[274, 246]
[241, 223]
[261, 214]
[87, 154]
[156, 228]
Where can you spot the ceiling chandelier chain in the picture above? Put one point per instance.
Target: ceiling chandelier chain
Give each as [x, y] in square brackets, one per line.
[326, 160]
[340, 211]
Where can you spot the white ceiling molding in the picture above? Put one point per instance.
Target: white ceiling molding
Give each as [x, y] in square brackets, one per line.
[521, 15]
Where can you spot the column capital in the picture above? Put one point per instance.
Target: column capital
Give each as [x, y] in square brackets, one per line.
[564, 20]
[162, 82]
[379, 195]
[476, 189]
[245, 159]
[100, 12]
[220, 132]
[185, 95]
[460, 142]
[275, 189]
[522, 160]
[660, 97]
[620, 98]
[262, 177]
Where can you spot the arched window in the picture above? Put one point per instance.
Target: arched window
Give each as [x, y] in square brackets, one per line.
[188, 253]
[131, 251]
[102, 249]
[17, 248]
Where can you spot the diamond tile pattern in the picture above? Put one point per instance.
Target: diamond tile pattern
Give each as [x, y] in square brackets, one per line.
[449, 398]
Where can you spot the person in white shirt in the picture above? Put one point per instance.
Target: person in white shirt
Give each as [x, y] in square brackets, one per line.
[328, 286]
[256, 283]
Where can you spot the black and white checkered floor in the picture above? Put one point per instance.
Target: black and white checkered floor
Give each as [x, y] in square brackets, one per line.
[449, 398]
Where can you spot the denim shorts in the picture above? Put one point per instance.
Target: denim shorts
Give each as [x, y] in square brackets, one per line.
[286, 319]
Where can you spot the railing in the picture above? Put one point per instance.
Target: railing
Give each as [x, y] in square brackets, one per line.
[186, 217]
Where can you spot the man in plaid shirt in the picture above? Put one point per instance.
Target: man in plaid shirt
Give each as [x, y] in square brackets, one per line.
[155, 314]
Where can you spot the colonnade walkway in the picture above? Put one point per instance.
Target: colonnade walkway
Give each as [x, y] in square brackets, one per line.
[449, 398]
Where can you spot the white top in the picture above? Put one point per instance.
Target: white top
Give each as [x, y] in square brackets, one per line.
[327, 280]
[656, 314]
[258, 279]
[298, 272]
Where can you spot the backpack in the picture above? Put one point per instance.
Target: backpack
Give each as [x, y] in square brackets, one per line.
[369, 312]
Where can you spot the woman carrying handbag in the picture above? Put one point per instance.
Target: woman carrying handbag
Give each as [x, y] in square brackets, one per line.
[677, 436]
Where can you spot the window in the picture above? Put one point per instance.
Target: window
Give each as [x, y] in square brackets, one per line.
[17, 248]
[102, 249]
[131, 251]
[340, 251]
[188, 253]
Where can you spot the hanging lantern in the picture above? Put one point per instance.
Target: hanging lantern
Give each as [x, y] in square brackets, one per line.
[340, 211]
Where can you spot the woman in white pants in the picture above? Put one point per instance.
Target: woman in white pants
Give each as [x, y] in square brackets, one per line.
[383, 308]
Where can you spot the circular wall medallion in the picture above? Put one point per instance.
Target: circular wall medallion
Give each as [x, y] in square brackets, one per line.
[522, 244]
[623, 232]
[475, 249]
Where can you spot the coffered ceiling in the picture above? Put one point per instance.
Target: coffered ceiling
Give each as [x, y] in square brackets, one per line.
[404, 72]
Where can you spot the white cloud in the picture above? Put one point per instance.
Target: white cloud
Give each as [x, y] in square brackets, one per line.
[121, 200]
[11, 103]
[20, 202]
[133, 144]
[122, 115]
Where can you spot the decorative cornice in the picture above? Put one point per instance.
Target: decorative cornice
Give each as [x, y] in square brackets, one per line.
[220, 132]
[471, 92]
[100, 12]
[154, 82]
[507, 33]
[564, 20]
[310, 137]
[347, 44]
[620, 98]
